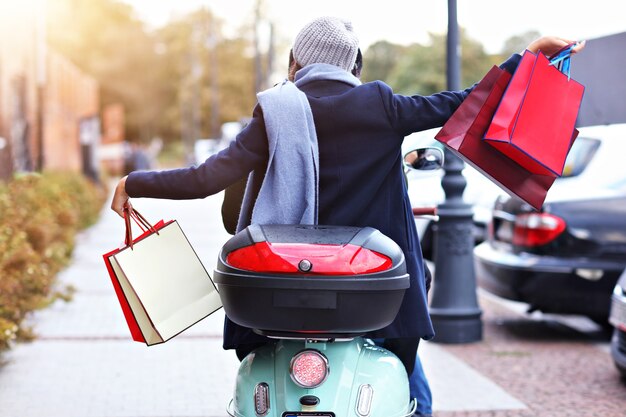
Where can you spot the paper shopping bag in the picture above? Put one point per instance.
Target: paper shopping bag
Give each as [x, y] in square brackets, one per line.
[463, 133]
[534, 122]
[161, 284]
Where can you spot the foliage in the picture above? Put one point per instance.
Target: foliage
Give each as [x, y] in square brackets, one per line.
[380, 59]
[185, 79]
[158, 75]
[39, 216]
[421, 69]
[517, 44]
[205, 70]
[107, 41]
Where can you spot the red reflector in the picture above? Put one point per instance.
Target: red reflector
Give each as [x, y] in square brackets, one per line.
[309, 369]
[536, 229]
[324, 259]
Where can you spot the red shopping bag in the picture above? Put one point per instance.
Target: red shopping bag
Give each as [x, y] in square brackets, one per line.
[147, 229]
[463, 133]
[534, 122]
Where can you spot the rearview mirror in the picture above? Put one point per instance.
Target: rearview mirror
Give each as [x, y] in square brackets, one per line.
[424, 159]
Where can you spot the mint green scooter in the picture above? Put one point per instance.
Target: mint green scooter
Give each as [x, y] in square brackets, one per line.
[315, 290]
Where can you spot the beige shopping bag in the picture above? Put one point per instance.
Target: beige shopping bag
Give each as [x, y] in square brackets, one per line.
[161, 284]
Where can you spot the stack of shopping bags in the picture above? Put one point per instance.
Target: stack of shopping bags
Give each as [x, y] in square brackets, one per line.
[160, 282]
[518, 129]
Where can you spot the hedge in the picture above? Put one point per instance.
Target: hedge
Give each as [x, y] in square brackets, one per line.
[39, 216]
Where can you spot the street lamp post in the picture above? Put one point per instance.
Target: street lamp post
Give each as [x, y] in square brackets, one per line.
[454, 307]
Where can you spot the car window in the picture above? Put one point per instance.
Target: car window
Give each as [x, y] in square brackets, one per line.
[579, 156]
[604, 168]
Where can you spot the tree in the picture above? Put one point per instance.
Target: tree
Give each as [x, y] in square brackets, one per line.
[420, 71]
[106, 40]
[516, 44]
[422, 68]
[380, 59]
[182, 79]
[209, 77]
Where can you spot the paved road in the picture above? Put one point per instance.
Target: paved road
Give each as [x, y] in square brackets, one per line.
[83, 363]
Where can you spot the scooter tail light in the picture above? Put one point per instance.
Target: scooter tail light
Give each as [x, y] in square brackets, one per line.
[261, 399]
[364, 400]
[309, 368]
[320, 259]
[536, 229]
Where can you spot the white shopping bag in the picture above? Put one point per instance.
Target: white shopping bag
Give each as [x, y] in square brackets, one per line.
[161, 284]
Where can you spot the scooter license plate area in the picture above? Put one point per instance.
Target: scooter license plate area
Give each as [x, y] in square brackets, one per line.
[307, 413]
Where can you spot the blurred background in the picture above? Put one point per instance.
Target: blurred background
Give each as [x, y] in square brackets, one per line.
[93, 89]
[106, 86]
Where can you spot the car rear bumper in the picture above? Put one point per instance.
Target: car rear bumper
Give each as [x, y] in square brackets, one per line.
[549, 284]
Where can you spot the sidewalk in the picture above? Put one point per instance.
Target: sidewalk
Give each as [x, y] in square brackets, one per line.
[84, 364]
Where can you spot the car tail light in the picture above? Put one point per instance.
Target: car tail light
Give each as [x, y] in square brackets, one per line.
[536, 229]
[309, 368]
[308, 258]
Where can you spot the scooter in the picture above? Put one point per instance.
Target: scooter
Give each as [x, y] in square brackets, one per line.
[315, 291]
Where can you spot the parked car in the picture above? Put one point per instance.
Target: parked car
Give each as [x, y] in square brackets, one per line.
[567, 257]
[618, 321]
[424, 188]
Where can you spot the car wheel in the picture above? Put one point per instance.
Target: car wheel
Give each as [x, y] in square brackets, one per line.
[622, 372]
[618, 353]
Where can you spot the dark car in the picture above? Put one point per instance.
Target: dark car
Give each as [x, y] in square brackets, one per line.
[618, 320]
[567, 257]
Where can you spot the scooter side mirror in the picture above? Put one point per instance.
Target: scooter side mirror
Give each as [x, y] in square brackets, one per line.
[424, 159]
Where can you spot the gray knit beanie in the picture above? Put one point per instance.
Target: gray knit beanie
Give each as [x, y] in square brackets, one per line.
[326, 40]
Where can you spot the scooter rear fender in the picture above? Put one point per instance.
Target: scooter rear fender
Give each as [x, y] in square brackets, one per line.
[352, 364]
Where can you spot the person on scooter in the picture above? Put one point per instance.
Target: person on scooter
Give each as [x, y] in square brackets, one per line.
[356, 132]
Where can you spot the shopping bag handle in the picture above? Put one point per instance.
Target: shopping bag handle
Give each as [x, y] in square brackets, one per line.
[567, 49]
[144, 225]
[561, 59]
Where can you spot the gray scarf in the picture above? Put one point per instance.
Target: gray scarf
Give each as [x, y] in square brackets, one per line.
[290, 189]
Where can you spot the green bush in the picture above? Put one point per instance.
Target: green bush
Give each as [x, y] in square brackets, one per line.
[39, 217]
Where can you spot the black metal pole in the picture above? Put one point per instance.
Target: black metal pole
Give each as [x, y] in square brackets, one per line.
[454, 307]
[258, 65]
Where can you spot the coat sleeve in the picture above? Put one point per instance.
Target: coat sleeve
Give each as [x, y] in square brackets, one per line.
[247, 152]
[415, 113]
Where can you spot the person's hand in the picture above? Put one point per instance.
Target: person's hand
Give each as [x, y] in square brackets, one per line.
[549, 45]
[121, 200]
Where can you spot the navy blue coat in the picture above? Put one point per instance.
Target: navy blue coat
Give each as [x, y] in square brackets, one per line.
[360, 132]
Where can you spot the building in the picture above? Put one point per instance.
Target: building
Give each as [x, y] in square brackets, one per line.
[49, 108]
[70, 116]
[600, 68]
